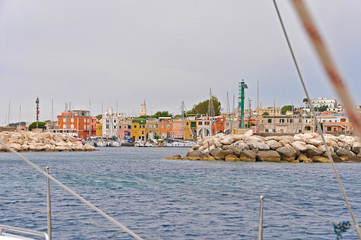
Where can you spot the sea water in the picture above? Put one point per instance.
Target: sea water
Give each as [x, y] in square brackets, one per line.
[175, 199]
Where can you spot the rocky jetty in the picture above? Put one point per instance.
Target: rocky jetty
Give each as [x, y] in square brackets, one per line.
[306, 147]
[53, 142]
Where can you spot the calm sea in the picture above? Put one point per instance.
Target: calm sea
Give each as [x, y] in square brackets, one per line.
[170, 199]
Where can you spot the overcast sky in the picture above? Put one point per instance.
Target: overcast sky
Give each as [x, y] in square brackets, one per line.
[165, 52]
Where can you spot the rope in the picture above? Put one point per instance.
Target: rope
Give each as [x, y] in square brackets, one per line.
[73, 193]
[313, 110]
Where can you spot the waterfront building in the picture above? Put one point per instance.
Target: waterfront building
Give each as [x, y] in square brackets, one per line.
[110, 122]
[138, 129]
[321, 102]
[218, 125]
[178, 129]
[281, 124]
[76, 123]
[165, 127]
[204, 127]
[151, 128]
[125, 129]
[190, 128]
[336, 127]
[99, 129]
[270, 111]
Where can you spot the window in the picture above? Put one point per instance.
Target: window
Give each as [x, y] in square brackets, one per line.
[282, 121]
[72, 126]
[72, 120]
[200, 123]
[269, 121]
[120, 127]
[107, 126]
[291, 120]
[135, 126]
[64, 126]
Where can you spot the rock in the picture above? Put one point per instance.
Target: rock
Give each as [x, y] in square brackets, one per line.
[231, 158]
[273, 144]
[174, 157]
[268, 156]
[312, 151]
[258, 145]
[356, 147]
[248, 156]
[345, 154]
[304, 158]
[300, 146]
[248, 133]
[284, 140]
[221, 155]
[287, 153]
[315, 142]
[320, 159]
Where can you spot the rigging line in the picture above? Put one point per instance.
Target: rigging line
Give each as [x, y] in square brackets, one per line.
[73, 193]
[161, 184]
[197, 189]
[318, 124]
[72, 218]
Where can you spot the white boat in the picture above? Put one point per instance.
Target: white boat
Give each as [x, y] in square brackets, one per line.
[185, 144]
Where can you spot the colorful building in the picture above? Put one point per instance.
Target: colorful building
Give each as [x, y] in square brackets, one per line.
[125, 130]
[218, 125]
[190, 128]
[99, 129]
[138, 129]
[165, 127]
[178, 129]
[151, 128]
[78, 122]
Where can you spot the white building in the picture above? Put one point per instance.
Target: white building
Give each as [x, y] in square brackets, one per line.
[320, 102]
[110, 124]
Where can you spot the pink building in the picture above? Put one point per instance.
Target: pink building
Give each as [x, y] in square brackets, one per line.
[125, 130]
[178, 129]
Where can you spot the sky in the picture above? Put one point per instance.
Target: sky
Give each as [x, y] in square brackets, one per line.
[119, 53]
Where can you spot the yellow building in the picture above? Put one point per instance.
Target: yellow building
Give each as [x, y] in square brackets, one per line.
[270, 110]
[190, 129]
[99, 127]
[138, 129]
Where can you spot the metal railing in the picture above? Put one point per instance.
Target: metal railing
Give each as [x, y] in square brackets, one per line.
[21, 230]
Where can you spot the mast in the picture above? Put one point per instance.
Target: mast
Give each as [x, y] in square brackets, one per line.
[210, 111]
[274, 114]
[9, 112]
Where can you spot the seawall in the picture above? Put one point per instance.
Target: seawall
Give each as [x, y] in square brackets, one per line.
[306, 147]
[34, 142]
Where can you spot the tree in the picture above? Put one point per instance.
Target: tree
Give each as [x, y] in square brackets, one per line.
[305, 100]
[33, 125]
[265, 114]
[99, 116]
[162, 114]
[286, 108]
[321, 109]
[202, 107]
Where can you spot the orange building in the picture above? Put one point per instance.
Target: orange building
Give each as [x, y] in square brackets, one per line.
[165, 127]
[218, 125]
[78, 121]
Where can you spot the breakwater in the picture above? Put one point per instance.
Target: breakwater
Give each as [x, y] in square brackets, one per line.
[306, 147]
[52, 142]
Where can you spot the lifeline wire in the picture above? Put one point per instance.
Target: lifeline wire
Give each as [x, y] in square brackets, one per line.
[73, 193]
[318, 124]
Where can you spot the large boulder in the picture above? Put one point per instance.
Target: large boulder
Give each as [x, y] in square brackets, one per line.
[248, 156]
[313, 151]
[320, 159]
[303, 158]
[300, 146]
[273, 144]
[356, 147]
[258, 145]
[231, 158]
[345, 154]
[268, 156]
[287, 153]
